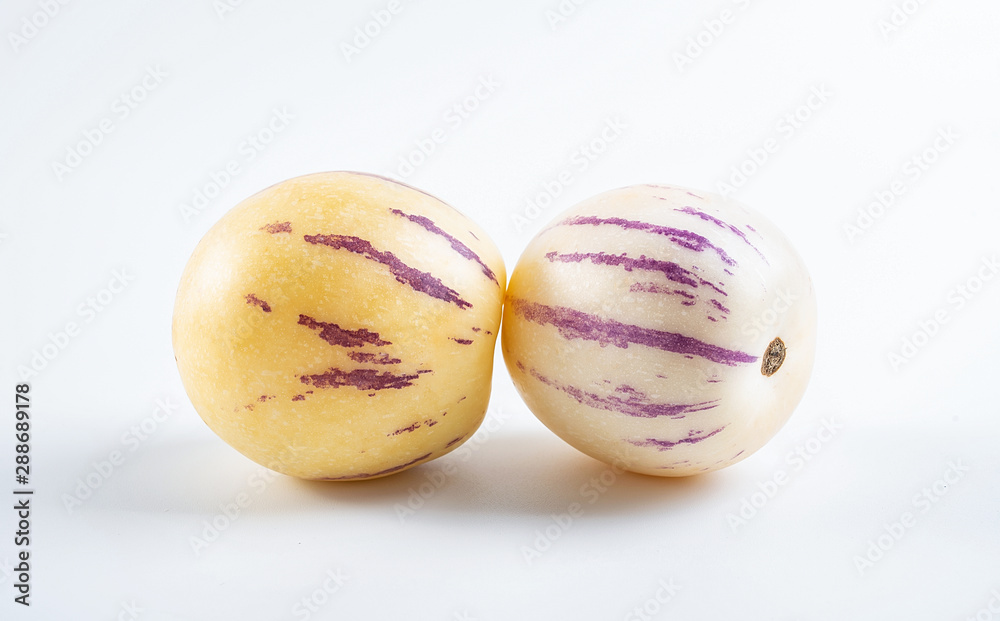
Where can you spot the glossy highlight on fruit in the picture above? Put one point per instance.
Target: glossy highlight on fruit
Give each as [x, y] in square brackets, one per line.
[666, 331]
[340, 326]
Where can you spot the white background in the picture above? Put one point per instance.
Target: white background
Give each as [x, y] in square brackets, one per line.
[461, 554]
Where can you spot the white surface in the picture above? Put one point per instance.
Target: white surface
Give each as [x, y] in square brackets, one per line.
[460, 555]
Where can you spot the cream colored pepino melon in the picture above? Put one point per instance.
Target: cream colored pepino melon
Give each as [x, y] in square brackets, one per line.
[340, 326]
[666, 331]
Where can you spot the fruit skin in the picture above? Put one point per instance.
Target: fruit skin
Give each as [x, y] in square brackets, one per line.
[340, 326]
[635, 324]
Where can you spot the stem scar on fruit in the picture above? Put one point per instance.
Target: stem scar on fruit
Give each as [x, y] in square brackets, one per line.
[773, 357]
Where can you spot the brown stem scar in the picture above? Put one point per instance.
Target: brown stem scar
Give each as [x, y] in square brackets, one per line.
[773, 357]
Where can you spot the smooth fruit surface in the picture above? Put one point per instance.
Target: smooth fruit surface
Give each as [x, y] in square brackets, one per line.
[340, 326]
[664, 330]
